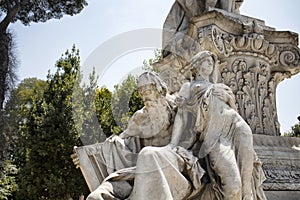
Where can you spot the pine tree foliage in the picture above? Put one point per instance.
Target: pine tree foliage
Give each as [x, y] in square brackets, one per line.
[26, 11]
[51, 135]
[103, 99]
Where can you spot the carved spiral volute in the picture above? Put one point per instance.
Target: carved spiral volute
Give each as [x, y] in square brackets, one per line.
[289, 58]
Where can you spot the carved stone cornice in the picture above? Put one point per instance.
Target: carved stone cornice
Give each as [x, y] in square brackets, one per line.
[233, 34]
[281, 161]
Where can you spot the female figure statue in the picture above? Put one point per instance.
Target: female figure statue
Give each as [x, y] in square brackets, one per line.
[208, 111]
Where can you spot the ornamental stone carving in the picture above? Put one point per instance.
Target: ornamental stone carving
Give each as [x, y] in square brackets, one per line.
[280, 161]
[252, 58]
[216, 135]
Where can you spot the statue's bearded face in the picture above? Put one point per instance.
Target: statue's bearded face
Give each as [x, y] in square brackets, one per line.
[148, 93]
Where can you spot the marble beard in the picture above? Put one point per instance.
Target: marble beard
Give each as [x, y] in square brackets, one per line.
[199, 149]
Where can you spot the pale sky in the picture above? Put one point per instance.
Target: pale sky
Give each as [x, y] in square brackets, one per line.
[102, 23]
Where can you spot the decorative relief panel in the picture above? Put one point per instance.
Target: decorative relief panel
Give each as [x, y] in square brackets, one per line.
[254, 89]
[281, 161]
[252, 67]
[252, 64]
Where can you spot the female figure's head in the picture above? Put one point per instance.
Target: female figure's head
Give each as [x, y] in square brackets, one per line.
[203, 67]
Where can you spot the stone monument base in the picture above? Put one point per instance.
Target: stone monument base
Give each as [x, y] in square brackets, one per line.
[281, 164]
[280, 195]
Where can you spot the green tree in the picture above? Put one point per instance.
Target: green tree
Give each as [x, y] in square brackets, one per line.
[16, 113]
[295, 132]
[8, 183]
[148, 64]
[13, 153]
[9, 59]
[87, 121]
[27, 11]
[115, 109]
[49, 172]
[103, 106]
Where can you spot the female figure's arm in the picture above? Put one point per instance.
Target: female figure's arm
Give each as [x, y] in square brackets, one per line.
[181, 115]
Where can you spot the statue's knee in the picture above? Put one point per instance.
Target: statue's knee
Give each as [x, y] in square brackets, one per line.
[147, 152]
[234, 190]
[147, 158]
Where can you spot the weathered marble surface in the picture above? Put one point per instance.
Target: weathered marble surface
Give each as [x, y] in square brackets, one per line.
[210, 155]
[178, 19]
[207, 113]
[150, 165]
[252, 58]
[281, 162]
[207, 150]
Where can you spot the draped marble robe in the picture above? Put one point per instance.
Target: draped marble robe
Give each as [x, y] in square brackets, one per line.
[224, 143]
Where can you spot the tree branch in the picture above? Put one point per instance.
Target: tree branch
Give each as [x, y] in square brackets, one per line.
[8, 4]
[9, 17]
[12, 11]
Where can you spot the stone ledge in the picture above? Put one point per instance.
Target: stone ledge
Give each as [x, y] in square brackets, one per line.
[281, 161]
[280, 195]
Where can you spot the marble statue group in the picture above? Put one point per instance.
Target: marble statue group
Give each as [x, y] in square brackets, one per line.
[192, 146]
[193, 139]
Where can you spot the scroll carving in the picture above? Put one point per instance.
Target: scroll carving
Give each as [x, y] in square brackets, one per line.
[251, 62]
[290, 57]
[229, 44]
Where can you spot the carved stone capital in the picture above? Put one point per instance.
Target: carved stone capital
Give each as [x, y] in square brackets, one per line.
[252, 58]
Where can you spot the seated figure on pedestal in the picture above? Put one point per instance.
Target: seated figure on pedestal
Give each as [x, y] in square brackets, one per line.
[150, 126]
[176, 24]
[210, 155]
[161, 172]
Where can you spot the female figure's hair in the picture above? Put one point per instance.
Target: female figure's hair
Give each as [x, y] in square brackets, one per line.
[213, 77]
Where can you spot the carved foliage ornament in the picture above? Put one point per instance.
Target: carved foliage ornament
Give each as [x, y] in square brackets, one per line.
[254, 89]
